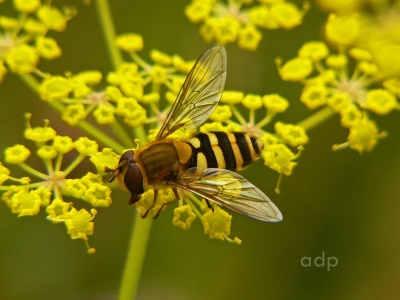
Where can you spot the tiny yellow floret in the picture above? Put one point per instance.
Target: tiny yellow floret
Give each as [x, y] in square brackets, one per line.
[86, 146]
[275, 103]
[380, 101]
[183, 217]
[295, 69]
[16, 154]
[292, 134]
[217, 223]
[130, 42]
[279, 158]
[22, 59]
[26, 6]
[48, 47]
[55, 88]
[252, 102]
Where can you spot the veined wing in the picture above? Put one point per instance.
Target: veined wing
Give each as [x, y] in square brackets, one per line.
[230, 190]
[200, 93]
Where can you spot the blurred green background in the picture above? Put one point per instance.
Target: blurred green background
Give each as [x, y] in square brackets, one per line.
[342, 204]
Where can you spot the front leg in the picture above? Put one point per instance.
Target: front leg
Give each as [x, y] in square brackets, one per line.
[152, 205]
[168, 203]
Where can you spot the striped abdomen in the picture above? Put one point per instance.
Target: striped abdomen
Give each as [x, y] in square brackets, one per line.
[223, 150]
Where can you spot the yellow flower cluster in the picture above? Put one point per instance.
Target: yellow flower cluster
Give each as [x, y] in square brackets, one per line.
[354, 81]
[26, 196]
[242, 21]
[23, 39]
[131, 91]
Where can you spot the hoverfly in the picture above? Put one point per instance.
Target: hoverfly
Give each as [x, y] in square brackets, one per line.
[205, 163]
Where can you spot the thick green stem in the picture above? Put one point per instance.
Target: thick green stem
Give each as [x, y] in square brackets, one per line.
[316, 119]
[104, 12]
[135, 258]
[137, 247]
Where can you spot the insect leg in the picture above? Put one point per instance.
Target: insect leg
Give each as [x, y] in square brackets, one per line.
[152, 205]
[168, 203]
[209, 204]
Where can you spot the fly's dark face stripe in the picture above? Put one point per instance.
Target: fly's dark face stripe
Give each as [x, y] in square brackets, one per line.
[223, 150]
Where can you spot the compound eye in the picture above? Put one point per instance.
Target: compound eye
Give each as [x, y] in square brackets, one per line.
[127, 155]
[133, 179]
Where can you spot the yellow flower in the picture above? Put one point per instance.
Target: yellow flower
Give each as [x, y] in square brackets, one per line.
[380, 101]
[249, 37]
[55, 88]
[286, 14]
[26, 203]
[86, 147]
[26, 6]
[292, 134]
[296, 69]
[58, 210]
[79, 223]
[47, 152]
[217, 223]
[4, 173]
[275, 103]
[342, 30]
[52, 18]
[363, 136]
[183, 217]
[22, 59]
[252, 102]
[221, 114]
[279, 158]
[74, 114]
[314, 96]
[130, 42]
[232, 97]
[314, 50]
[48, 48]
[16, 154]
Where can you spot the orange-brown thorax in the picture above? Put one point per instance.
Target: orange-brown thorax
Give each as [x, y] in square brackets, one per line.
[160, 160]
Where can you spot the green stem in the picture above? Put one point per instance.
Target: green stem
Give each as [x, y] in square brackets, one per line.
[135, 259]
[137, 247]
[74, 164]
[316, 119]
[32, 171]
[107, 24]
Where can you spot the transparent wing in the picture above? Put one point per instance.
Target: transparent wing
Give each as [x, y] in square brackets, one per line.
[200, 93]
[230, 190]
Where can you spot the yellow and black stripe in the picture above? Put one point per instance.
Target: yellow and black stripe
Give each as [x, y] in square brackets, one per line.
[223, 150]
